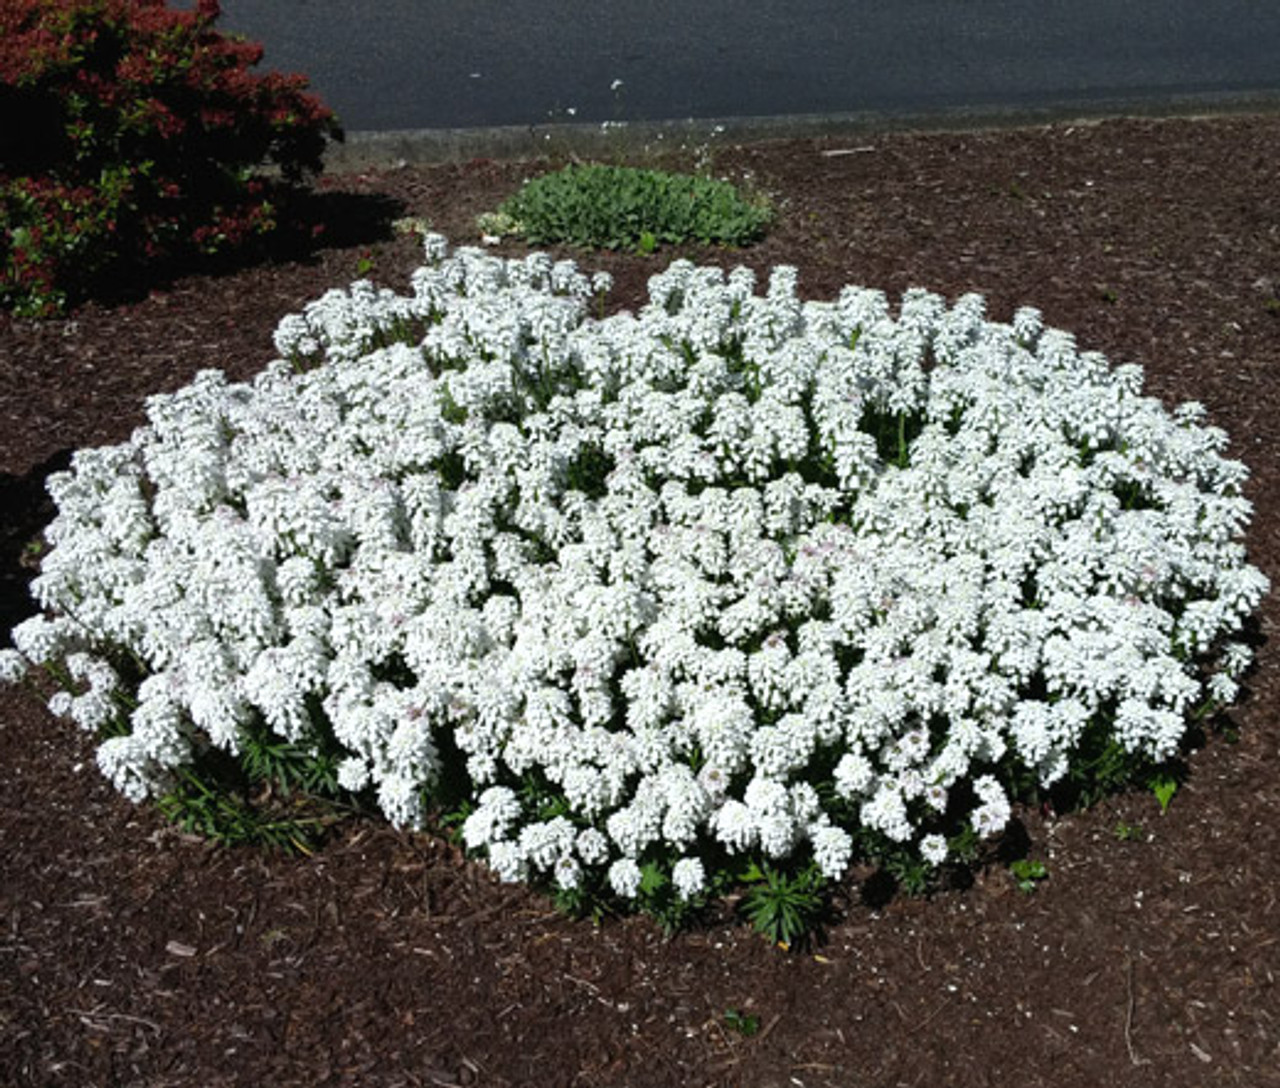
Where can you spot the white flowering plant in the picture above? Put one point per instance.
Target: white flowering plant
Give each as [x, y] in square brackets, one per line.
[737, 588]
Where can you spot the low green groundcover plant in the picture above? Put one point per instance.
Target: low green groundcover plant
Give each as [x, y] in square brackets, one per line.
[621, 207]
[134, 133]
[733, 592]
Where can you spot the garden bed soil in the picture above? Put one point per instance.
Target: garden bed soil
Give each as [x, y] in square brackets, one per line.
[131, 954]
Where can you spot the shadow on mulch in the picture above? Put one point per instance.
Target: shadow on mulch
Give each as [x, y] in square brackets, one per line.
[28, 509]
[309, 221]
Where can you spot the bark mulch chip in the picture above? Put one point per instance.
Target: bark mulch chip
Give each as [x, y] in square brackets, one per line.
[133, 955]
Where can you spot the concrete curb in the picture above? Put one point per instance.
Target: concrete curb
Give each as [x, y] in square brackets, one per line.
[614, 139]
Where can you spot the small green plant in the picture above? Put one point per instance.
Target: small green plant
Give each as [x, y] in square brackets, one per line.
[784, 906]
[208, 809]
[365, 263]
[618, 207]
[1127, 832]
[744, 1023]
[32, 550]
[912, 874]
[416, 225]
[494, 226]
[964, 847]
[658, 898]
[1028, 874]
[1102, 767]
[1164, 786]
[273, 792]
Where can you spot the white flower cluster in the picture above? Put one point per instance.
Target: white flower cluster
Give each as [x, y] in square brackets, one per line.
[738, 573]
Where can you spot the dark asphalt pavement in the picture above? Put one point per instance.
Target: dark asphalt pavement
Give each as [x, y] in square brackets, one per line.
[447, 64]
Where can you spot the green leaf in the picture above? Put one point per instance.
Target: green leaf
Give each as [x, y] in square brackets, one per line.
[1164, 786]
[652, 878]
[743, 1023]
[1028, 874]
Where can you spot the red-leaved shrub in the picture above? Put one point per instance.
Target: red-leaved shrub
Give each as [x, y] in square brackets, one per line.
[131, 133]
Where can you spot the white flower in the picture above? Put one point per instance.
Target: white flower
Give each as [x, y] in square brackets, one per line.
[735, 826]
[854, 775]
[353, 774]
[567, 872]
[625, 877]
[41, 639]
[714, 782]
[933, 848]
[493, 818]
[886, 812]
[1222, 688]
[13, 666]
[506, 859]
[93, 710]
[543, 843]
[125, 762]
[688, 877]
[1236, 658]
[832, 848]
[993, 813]
[592, 846]
[400, 798]
[765, 538]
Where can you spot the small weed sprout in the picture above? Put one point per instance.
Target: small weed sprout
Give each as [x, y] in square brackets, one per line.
[745, 1024]
[1127, 832]
[1028, 874]
[1163, 786]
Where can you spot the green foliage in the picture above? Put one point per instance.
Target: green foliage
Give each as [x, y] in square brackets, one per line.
[206, 809]
[586, 902]
[131, 135]
[964, 847]
[913, 875]
[1100, 766]
[745, 1024]
[785, 905]
[274, 793]
[1164, 785]
[1028, 874]
[617, 207]
[1127, 832]
[293, 767]
[658, 899]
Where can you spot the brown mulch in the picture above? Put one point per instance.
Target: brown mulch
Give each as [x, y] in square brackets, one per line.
[132, 955]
